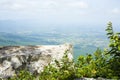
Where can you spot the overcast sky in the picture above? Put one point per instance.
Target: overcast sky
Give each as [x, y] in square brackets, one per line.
[61, 11]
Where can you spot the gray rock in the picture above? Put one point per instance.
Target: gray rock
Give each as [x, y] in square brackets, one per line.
[85, 79]
[32, 58]
[99, 78]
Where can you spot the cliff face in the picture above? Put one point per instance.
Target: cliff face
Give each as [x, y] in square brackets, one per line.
[32, 58]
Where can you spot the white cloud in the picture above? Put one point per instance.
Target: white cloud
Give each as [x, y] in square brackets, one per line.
[41, 4]
[78, 4]
[14, 6]
[50, 4]
[23, 4]
[41, 8]
[11, 5]
[116, 11]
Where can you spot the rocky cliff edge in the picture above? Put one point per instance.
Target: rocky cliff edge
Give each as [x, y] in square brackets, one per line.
[32, 58]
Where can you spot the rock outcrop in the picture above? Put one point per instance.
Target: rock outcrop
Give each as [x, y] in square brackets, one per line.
[32, 58]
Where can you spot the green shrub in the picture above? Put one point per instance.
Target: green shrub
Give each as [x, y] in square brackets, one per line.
[63, 70]
[92, 65]
[23, 75]
[114, 51]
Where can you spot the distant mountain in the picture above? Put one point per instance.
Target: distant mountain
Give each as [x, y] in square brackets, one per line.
[39, 26]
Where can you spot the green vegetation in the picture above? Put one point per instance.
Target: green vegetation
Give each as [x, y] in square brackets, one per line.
[105, 64]
[23, 75]
[63, 70]
[114, 51]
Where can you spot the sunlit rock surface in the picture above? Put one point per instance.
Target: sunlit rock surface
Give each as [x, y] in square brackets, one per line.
[32, 58]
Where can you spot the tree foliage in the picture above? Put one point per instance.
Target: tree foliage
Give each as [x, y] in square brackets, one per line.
[114, 51]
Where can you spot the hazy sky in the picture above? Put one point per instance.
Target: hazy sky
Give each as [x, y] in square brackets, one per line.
[55, 12]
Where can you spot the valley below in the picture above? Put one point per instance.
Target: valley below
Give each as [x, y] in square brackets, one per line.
[84, 42]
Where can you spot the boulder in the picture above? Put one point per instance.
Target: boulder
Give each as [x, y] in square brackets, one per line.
[31, 58]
